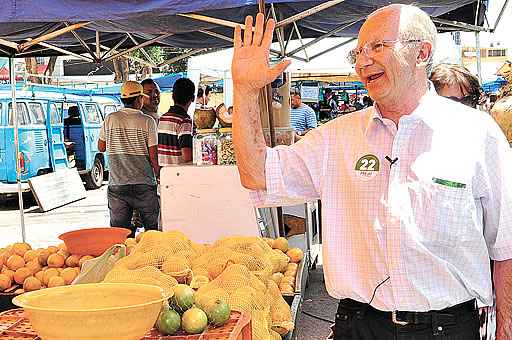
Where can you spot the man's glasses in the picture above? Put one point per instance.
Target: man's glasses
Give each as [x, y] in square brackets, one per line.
[470, 100]
[372, 48]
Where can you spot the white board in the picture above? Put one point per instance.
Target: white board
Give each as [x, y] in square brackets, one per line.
[58, 188]
[206, 203]
[309, 93]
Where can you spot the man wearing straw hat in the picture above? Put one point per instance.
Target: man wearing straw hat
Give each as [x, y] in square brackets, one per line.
[130, 139]
[416, 190]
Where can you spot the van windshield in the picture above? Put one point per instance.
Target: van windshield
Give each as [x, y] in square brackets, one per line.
[23, 115]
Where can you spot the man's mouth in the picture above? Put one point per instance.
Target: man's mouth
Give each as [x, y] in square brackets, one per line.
[374, 77]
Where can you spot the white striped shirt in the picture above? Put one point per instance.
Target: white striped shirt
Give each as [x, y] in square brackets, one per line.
[430, 222]
[128, 134]
[303, 118]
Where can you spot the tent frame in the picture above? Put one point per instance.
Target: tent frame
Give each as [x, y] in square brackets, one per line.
[112, 53]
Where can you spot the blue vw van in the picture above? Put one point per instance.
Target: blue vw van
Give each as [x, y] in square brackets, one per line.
[58, 128]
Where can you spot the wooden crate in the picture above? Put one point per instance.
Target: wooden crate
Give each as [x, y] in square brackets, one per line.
[237, 328]
[15, 326]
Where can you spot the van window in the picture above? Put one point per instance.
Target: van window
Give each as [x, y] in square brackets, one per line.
[37, 113]
[92, 113]
[23, 116]
[56, 113]
[109, 109]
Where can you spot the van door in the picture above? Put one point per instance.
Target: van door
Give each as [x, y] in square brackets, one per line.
[92, 126]
[55, 130]
[31, 148]
[3, 149]
[40, 160]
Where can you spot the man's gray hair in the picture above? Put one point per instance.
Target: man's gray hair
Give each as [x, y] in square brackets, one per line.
[415, 24]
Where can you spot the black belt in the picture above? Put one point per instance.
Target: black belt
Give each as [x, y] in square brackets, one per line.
[445, 316]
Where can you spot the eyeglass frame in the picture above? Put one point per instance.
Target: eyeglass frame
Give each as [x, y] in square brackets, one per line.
[354, 53]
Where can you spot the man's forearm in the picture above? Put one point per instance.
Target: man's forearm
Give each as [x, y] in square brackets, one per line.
[248, 139]
[503, 286]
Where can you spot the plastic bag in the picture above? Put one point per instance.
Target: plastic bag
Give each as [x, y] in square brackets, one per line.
[95, 270]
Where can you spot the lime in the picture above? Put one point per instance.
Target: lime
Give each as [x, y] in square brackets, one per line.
[194, 321]
[168, 322]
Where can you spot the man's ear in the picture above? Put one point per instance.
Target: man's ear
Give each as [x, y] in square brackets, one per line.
[425, 53]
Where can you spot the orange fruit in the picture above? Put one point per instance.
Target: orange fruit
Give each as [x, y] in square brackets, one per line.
[39, 275]
[30, 255]
[292, 266]
[15, 262]
[295, 254]
[68, 274]
[73, 260]
[63, 253]
[3, 258]
[56, 261]
[52, 249]
[48, 274]
[269, 241]
[62, 246]
[84, 258]
[286, 288]
[5, 282]
[34, 266]
[8, 272]
[43, 257]
[21, 248]
[21, 274]
[281, 243]
[31, 283]
[56, 281]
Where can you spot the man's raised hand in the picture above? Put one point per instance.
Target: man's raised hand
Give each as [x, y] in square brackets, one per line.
[250, 68]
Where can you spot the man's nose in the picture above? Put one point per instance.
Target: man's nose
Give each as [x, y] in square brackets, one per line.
[363, 60]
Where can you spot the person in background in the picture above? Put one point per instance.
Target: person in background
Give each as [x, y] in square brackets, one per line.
[367, 102]
[330, 99]
[175, 127]
[416, 190]
[456, 83]
[130, 139]
[152, 90]
[150, 108]
[203, 96]
[302, 117]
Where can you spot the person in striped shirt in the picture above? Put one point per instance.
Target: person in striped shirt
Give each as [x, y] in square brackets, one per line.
[130, 139]
[302, 117]
[175, 127]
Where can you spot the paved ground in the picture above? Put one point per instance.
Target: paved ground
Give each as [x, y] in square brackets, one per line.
[43, 229]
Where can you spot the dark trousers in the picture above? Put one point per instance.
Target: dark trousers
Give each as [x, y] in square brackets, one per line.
[123, 199]
[358, 321]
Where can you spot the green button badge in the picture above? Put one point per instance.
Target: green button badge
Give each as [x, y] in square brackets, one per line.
[367, 167]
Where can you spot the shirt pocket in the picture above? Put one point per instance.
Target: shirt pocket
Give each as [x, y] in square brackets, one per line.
[442, 213]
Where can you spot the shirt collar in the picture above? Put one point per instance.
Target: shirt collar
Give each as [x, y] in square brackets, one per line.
[178, 110]
[417, 114]
[131, 111]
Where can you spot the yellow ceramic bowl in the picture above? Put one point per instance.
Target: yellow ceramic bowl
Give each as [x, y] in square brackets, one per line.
[99, 311]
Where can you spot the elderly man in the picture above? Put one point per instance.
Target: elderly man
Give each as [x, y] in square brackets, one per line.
[416, 190]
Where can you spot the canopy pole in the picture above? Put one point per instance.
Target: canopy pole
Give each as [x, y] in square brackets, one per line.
[12, 76]
[478, 57]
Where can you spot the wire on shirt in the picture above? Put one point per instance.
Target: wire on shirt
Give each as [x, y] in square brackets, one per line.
[375, 290]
